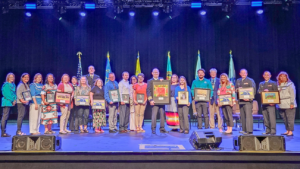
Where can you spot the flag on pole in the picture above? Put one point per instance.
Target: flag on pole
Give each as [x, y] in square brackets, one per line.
[108, 68]
[79, 68]
[169, 69]
[231, 73]
[138, 66]
[198, 65]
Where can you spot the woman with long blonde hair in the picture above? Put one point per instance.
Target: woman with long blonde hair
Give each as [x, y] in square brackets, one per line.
[183, 110]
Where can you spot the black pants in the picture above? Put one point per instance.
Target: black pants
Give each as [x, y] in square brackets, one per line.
[269, 118]
[246, 116]
[183, 112]
[72, 119]
[83, 113]
[5, 116]
[161, 110]
[124, 116]
[202, 108]
[227, 112]
[22, 110]
[288, 116]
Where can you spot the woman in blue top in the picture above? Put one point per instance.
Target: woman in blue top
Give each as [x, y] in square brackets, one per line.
[183, 109]
[35, 104]
[9, 100]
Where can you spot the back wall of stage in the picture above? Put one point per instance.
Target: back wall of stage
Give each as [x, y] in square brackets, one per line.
[43, 43]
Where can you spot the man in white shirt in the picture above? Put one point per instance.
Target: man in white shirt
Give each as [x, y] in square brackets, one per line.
[124, 89]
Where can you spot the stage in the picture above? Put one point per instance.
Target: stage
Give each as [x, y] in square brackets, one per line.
[147, 150]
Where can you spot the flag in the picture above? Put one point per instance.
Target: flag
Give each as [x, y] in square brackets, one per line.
[138, 66]
[108, 68]
[231, 73]
[79, 68]
[198, 66]
[169, 69]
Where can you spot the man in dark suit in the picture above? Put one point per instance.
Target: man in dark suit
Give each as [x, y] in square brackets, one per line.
[268, 110]
[213, 105]
[91, 77]
[156, 108]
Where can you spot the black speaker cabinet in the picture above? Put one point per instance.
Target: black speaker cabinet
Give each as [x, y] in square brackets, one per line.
[36, 143]
[259, 143]
[208, 139]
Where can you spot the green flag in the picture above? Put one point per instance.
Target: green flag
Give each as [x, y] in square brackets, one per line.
[198, 65]
[169, 69]
[231, 73]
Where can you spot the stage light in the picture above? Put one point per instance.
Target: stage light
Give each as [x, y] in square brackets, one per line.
[89, 6]
[202, 12]
[256, 3]
[28, 14]
[260, 11]
[30, 6]
[82, 14]
[170, 17]
[155, 12]
[286, 4]
[131, 12]
[227, 16]
[60, 18]
[196, 5]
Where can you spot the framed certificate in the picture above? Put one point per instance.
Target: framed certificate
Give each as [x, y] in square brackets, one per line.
[270, 98]
[82, 101]
[63, 98]
[27, 96]
[246, 93]
[125, 98]
[161, 92]
[225, 100]
[98, 104]
[202, 94]
[114, 95]
[50, 97]
[183, 98]
[140, 98]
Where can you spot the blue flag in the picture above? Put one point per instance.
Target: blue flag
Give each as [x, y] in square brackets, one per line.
[198, 66]
[231, 73]
[108, 68]
[79, 68]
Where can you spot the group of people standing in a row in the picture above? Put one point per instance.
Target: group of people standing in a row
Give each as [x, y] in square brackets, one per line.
[132, 113]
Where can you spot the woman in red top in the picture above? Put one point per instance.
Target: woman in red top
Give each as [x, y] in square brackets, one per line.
[65, 86]
[140, 103]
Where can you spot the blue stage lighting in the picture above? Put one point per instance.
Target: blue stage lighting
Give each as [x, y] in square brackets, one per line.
[28, 14]
[155, 12]
[30, 6]
[260, 11]
[196, 5]
[82, 13]
[203, 12]
[89, 6]
[256, 3]
[131, 12]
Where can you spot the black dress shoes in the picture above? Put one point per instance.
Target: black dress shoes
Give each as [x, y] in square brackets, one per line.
[112, 131]
[266, 133]
[5, 135]
[164, 131]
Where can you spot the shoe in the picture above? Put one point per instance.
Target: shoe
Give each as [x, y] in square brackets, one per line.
[116, 130]
[62, 132]
[153, 132]
[206, 127]
[5, 135]
[47, 132]
[86, 131]
[265, 133]
[227, 132]
[112, 131]
[290, 135]
[249, 133]
[181, 131]
[52, 132]
[68, 131]
[242, 132]
[122, 131]
[164, 131]
[283, 133]
[199, 128]
[186, 132]
[76, 132]
[273, 134]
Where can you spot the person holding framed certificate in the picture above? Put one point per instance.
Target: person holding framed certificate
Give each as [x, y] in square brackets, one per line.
[140, 101]
[9, 100]
[35, 104]
[268, 110]
[112, 106]
[73, 112]
[133, 81]
[99, 115]
[288, 104]
[83, 89]
[49, 107]
[226, 100]
[66, 87]
[22, 103]
[124, 89]
[183, 94]
[202, 106]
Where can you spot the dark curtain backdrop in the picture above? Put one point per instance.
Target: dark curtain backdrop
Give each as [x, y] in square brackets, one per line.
[44, 44]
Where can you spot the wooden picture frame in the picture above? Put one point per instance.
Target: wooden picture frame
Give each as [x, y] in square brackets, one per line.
[63, 98]
[98, 104]
[27, 95]
[225, 99]
[201, 94]
[140, 98]
[270, 97]
[246, 93]
[50, 97]
[183, 98]
[114, 95]
[161, 92]
[125, 98]
[82, 101]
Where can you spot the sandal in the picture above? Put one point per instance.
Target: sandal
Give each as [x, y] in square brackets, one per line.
[47, 132]
[138, 129]
[5, 135]
[52, 132]
[97, 131]
[142, 130]
[81, 131]
[20, 133]
[86, 131]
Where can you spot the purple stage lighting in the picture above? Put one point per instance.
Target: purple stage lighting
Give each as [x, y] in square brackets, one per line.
[28, 14]
[155, 12]
[82, 13]
[131, 13]
[203, 12]
[260, 11]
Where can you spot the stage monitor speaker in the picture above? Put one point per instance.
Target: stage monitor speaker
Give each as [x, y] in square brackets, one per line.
[209, 139]
[259, 143]
[36, 143]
